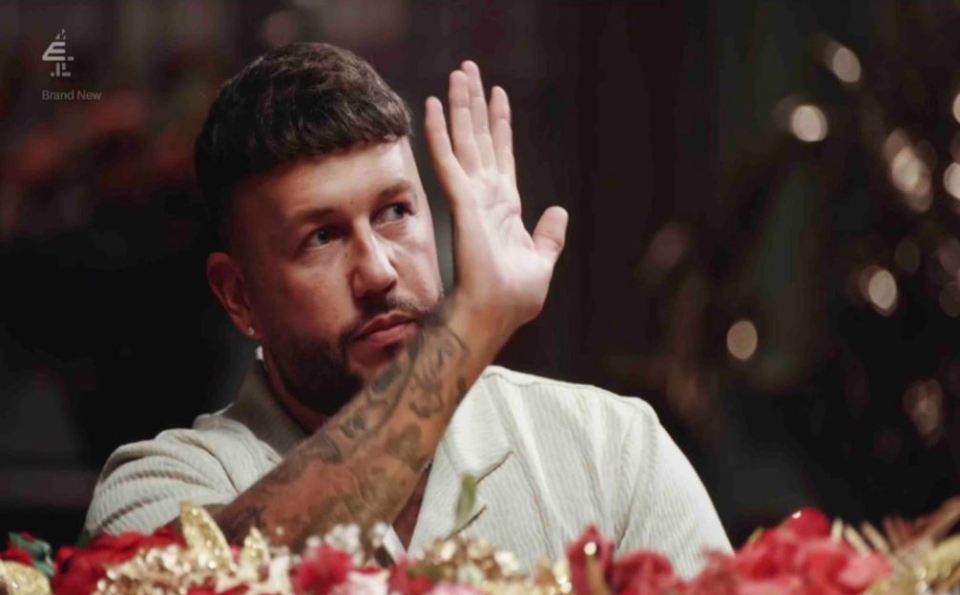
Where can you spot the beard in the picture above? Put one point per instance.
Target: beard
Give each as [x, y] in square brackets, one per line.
[316, 373]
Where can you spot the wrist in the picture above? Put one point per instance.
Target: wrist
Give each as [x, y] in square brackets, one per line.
[487, 329]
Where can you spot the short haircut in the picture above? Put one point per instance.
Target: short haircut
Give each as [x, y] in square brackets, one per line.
[302, 100]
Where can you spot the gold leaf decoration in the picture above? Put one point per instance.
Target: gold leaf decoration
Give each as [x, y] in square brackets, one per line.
[20, 579]
[203, 536]
[943, 565]
[256, 551]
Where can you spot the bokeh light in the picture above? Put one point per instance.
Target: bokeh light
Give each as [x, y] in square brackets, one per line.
[923, 403]
[951, 180]
[879, 287]
[742, 339]
[950, 299]
[909, 172]
[842, 62]
[907, 255]
[948, 255]
[808, 123]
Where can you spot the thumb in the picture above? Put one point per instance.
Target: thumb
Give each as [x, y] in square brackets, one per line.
[550, 233]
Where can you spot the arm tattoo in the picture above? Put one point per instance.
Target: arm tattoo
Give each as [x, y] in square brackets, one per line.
[364, 474]
[405, 447]
[428, 378]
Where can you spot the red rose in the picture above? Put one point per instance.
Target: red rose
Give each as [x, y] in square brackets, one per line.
[796, 558]
[79, 569]
[402, 580]
[577, 558]
[16, 554]
[800, 558]
[321, 570]
[822, 560]
[642, 573]
[807, 522]
[718, 576]
[768, 556]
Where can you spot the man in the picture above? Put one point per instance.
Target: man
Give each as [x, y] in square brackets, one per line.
[373, 394]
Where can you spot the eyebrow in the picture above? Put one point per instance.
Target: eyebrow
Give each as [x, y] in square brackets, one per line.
[312, 214]
[394, 189]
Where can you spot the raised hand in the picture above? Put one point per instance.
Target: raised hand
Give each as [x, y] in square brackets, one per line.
[501, 269]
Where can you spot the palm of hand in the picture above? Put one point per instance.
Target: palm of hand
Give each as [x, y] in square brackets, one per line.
[499, 264]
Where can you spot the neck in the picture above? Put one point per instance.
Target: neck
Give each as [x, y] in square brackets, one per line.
[309, 419]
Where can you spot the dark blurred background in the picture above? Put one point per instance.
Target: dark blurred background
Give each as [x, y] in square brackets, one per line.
[764, 237]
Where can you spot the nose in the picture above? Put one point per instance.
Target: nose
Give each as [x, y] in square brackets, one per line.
[372, 273]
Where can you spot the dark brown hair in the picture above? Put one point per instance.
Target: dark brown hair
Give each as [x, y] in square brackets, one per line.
[302, 100]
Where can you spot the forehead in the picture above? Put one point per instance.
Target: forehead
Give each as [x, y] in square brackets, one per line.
[341, 181]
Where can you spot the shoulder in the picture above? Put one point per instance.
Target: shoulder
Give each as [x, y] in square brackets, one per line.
[217, 448]
[142, 483]
[546, 399]
[210, 441]
[551, 420]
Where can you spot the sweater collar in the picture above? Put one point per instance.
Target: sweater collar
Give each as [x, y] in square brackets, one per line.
[257, 409]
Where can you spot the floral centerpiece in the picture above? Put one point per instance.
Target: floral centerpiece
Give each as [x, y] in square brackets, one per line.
[805, 554]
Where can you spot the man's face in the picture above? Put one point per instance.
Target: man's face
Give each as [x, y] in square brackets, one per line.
[339, 262]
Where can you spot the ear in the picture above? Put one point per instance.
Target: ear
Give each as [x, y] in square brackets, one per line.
[227, 282]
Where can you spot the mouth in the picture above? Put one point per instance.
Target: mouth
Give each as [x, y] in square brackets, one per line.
[385, 329]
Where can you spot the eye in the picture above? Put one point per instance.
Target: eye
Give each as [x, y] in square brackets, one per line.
[395, 212]
[322, 236]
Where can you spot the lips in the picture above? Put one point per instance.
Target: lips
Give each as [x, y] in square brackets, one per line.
[385, 330]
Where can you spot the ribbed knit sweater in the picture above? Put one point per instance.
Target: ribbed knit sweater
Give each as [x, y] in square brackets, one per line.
[551, 458]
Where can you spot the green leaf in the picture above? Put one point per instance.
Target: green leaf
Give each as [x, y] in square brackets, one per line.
[466, 501]
[430, 571]
[39, 550]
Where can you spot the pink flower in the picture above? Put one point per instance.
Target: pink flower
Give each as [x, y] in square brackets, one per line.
[862, 571]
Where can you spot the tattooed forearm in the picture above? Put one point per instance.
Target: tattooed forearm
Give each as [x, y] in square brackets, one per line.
[370, 410]
[428, 380]
[364, 463]
[324, 449]
[405, 447]
[417, 375]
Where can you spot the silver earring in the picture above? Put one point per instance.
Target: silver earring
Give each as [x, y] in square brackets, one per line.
[250, 331]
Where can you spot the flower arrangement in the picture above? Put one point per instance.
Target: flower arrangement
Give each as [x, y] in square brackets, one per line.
[806, 554]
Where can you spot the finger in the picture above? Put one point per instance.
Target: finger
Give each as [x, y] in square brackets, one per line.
[464, 141]
[478, 113]
[550, 233]
[448, 167]
[502, 132]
